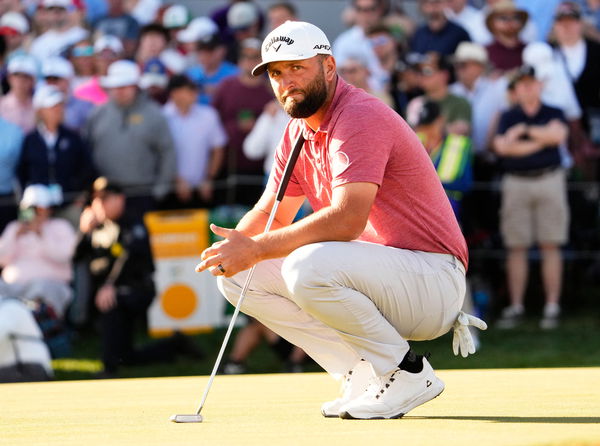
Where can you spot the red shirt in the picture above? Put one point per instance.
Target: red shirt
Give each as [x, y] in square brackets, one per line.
[504, 58]
[363, 140]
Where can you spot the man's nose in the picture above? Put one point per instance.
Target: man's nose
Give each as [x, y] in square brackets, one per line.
[286, 82]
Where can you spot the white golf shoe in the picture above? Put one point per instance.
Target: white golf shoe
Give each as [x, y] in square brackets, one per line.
[354, 384]
[394, 395]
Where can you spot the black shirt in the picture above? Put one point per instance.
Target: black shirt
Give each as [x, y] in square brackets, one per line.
[548, 156]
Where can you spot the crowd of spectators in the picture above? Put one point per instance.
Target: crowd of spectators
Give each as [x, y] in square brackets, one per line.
[162, 106]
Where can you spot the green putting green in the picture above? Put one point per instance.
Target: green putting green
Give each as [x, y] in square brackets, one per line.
[478, 407]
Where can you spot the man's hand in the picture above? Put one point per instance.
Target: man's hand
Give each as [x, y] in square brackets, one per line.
[88, 220]
[516, 131]
[106, 298]
[236, 253]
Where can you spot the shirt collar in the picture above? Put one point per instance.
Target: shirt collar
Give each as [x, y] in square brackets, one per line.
[341, 89]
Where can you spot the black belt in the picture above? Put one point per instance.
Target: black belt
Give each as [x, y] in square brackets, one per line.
[534, 172]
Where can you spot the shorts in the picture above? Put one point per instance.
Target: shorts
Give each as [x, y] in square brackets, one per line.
[534, 209]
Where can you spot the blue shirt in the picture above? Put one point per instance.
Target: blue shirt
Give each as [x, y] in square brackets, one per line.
[77, 112]
[209, 83]
[10, 150]
[444, 41]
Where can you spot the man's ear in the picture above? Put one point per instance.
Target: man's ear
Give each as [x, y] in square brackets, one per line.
[329, 68]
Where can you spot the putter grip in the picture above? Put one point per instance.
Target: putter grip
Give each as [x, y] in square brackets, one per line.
[289, 167]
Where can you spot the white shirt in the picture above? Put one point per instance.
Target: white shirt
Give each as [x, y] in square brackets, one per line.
[16, 319]
[48, 136]
[558, 91]
[265, 137]
[487, 98]
[353, 42]
[195, 136]
[574, 58]
[473, 21]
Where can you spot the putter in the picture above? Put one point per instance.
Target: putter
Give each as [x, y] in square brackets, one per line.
[287, 173]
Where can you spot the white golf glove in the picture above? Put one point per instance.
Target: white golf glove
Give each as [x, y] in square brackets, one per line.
[462, 340]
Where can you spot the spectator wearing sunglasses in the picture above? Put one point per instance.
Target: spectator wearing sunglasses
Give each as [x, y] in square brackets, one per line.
[434, 78]
[505, 21]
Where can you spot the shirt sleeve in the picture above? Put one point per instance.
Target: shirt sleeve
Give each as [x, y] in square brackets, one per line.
[504, 124]
[218, 135]
[359, 150]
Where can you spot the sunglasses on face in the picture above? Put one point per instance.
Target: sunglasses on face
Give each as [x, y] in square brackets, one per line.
[379, 40]
[508, 18]
[427, 71]
[83, 51]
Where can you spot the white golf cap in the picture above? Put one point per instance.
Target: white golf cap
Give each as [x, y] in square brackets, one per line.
[121, 73]
[469, 51]
[23, 64]
[47, 96]
[37, 195]
[108, 42]
[56, 3]
[15, 21]
[198, 29]
[57, 67]
[292, 41]
[176, 16]
[241, 15]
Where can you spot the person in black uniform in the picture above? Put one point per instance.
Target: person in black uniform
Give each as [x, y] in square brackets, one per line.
[121, 268]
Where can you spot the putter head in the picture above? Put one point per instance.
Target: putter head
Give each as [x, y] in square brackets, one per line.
[194, 418]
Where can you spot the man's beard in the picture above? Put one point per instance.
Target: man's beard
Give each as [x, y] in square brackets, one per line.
[315, 95]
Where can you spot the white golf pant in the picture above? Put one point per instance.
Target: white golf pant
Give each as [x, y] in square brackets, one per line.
[345, 301]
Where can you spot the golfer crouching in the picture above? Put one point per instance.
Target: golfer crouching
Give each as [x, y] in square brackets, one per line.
[381, 260]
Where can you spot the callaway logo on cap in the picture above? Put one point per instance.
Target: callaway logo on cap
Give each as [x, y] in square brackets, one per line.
[292, 41]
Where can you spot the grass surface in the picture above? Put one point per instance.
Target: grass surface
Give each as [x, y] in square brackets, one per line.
[478, 407]
[575, 344]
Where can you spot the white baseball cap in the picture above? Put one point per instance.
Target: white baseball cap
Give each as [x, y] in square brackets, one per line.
[56, 3]
[16, 21]
[292, 41]
[176, 16]
[198, 29]
[241, 15]
[47, 96]
[471, 51]
[23, 64]
[37, 195]
[540, 56]
[121, 73]
[57, 67]
[108, 42]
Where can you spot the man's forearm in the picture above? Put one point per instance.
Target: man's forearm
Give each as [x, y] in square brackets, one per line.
[327, 224]
[516, 148]
[552, 134]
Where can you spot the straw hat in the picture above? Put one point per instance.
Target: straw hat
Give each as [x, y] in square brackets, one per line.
[503, 7]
